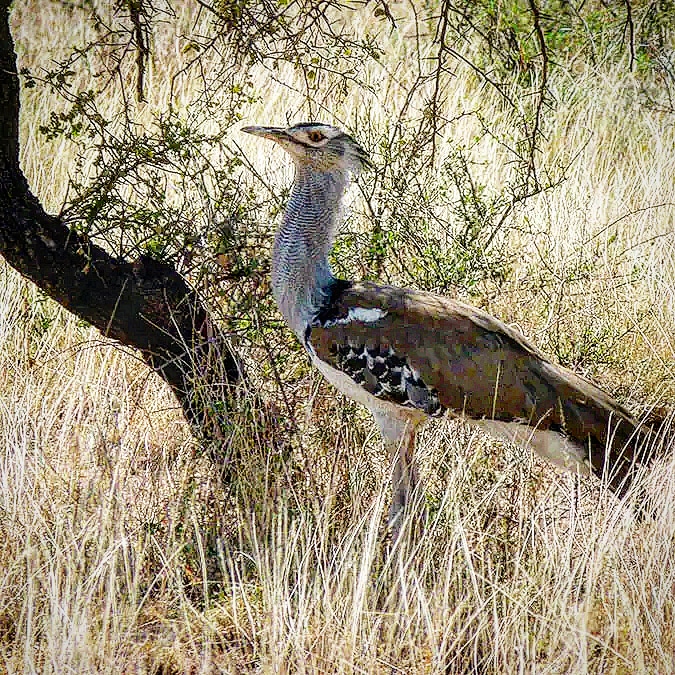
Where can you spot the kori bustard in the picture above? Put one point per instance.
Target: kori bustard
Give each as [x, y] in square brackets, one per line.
[407, 355]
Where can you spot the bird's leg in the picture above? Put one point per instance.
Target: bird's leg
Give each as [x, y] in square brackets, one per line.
[404, 476]
[399, 441]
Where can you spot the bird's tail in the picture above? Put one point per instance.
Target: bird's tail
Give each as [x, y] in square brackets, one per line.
[628, 444]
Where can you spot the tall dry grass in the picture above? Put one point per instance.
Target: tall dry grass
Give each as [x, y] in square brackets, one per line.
[122, 550]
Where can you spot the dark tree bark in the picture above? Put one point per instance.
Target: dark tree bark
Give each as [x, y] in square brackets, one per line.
[144, 304]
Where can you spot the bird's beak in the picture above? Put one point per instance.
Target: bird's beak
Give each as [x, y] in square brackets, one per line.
[273, 133]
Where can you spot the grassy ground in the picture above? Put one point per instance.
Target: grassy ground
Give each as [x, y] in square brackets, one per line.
[122, 550]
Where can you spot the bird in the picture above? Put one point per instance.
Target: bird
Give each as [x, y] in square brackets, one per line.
[410, 355]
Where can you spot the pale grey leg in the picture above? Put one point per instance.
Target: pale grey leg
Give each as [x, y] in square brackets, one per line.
[399, 441]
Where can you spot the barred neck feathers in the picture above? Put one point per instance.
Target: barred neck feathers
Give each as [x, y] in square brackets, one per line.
[301, 276]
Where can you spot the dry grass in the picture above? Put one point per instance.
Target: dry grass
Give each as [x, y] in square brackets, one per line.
[122, 551]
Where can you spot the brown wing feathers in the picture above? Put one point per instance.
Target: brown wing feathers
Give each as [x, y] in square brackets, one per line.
[433, 353]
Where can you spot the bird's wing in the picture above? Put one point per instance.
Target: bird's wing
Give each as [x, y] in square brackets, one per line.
[433, 353]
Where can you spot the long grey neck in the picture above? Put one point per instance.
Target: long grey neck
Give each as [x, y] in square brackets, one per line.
[301, 274]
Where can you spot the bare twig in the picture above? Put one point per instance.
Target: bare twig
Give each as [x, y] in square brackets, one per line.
[630, 27]
[541, 95]
[142, 46]
[440, 58]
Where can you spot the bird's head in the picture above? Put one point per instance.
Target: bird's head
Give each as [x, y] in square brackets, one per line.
[320, 147]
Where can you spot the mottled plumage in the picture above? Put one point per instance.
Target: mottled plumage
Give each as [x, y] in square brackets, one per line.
[440, 354]
[407, 355]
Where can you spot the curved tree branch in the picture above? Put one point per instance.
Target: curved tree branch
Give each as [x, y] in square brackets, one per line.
[145, 304]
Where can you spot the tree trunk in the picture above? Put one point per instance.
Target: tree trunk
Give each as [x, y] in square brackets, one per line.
[145, 304]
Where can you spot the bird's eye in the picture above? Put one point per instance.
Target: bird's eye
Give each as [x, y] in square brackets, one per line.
[315, 136]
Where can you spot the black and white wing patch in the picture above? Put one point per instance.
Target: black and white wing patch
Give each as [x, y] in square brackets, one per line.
[386, 375]
[347, 336]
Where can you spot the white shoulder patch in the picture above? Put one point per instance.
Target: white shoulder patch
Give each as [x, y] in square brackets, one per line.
[362, 314]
